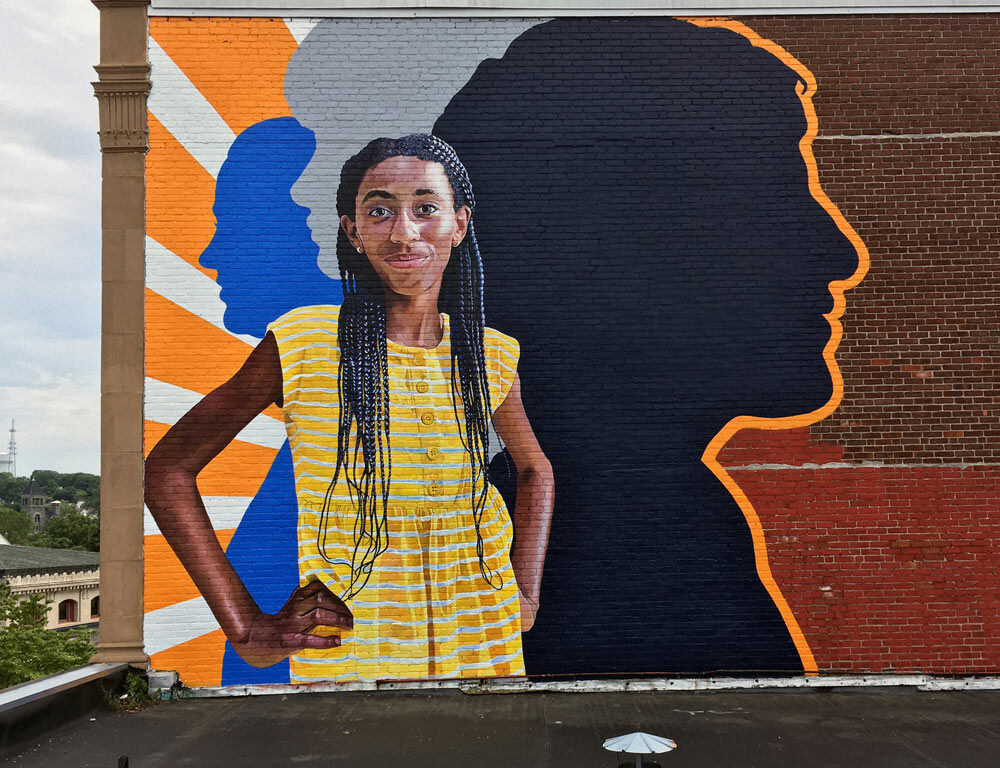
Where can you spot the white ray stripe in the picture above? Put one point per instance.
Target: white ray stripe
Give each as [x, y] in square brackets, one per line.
[300, 28]
[166, 403]
[175, 280]
[179, 105]
[225, 512]
[165, 628]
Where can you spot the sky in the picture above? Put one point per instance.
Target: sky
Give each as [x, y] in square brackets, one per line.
[50, 237]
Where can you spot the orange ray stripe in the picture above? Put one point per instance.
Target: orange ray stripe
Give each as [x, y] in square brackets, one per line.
[238, 65]
[187, 351]
[184, 350]
[179, 197]
[237, 471]
[198, 661]
[167, 582]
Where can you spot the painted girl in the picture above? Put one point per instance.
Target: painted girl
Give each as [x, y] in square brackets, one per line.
[408, 563]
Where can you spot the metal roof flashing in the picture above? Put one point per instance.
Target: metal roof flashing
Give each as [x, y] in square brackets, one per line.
[549, 8]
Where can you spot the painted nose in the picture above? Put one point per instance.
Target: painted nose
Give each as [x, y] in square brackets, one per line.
[404, 230]
[208, 258]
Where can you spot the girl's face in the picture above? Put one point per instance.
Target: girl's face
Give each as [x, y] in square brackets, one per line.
[406, 223]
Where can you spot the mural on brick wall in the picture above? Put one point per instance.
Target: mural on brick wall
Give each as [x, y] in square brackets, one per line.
[449, 405]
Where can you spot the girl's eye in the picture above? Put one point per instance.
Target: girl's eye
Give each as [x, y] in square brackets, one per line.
[427, 209]
[378, 212]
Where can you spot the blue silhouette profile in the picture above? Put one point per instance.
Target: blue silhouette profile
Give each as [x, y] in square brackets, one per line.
[267, 265]
[263, 249]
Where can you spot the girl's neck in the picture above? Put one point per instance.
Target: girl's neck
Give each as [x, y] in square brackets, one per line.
[413, 321]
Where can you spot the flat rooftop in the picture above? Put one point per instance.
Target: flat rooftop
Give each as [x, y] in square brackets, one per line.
[449, 729]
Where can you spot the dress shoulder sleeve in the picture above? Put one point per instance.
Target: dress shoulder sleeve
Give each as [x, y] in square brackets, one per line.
[502, 354]
[307, 342]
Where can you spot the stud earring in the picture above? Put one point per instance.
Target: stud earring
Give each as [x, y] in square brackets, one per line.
[361, 250]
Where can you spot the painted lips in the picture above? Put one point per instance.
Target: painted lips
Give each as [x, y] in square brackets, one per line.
[407, 260]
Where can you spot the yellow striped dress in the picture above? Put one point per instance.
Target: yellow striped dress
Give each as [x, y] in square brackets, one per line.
[426, 611]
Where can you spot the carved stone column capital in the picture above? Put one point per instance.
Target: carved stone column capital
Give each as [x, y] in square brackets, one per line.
[102, 4]
[121, 91]
[121, 95]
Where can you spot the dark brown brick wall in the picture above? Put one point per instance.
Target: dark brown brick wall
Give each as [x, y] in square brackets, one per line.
[896, 74]
[892, 568]
[922, 332]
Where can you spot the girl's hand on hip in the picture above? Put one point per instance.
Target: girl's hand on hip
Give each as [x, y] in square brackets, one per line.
[529, 608]
[273, 637]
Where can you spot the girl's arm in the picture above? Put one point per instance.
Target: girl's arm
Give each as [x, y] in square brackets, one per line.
[535, 497]
[171, 493]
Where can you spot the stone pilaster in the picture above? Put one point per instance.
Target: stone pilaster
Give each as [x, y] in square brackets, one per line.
[121, 90]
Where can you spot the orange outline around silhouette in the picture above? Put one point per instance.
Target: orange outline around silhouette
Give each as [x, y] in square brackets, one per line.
[805, 90]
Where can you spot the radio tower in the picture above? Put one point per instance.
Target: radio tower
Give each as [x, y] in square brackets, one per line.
[12, 451]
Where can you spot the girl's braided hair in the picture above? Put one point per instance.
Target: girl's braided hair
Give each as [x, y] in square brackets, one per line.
[364, 367]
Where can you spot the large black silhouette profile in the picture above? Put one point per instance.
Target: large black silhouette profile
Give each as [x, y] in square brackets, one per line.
[650, 238]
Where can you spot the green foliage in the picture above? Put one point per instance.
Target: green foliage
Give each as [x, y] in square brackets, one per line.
[11, 489]
[75, 487]
[15, 525]
[132, 696]
[69, 530]
[27, 649]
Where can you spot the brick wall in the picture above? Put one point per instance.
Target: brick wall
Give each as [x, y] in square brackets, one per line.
[881, 520]
[892, 565]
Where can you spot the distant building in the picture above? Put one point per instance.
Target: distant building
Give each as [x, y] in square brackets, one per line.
[37, 505]
[69, 579]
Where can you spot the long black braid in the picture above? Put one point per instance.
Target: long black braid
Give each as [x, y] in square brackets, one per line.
[364, 365]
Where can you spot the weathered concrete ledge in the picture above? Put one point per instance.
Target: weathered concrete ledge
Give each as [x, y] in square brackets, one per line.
[521, 685]
[38, 705]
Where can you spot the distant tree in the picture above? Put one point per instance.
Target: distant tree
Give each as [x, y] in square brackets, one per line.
[27, 649]
[11, 489]
[75, 487]
[15, 525]
[69, 530]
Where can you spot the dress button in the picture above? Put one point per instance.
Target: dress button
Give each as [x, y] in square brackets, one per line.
[434, 489]
[427, 417]
[288, 418]
[433, 453]
[422, 386]
[418, 358]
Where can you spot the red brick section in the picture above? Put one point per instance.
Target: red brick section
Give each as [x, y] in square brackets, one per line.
[894, 567]
[887, 569]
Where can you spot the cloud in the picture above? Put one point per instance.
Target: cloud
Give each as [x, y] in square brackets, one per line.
[50, 239]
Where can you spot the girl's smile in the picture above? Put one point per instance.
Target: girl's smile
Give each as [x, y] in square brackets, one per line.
[406, 223]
